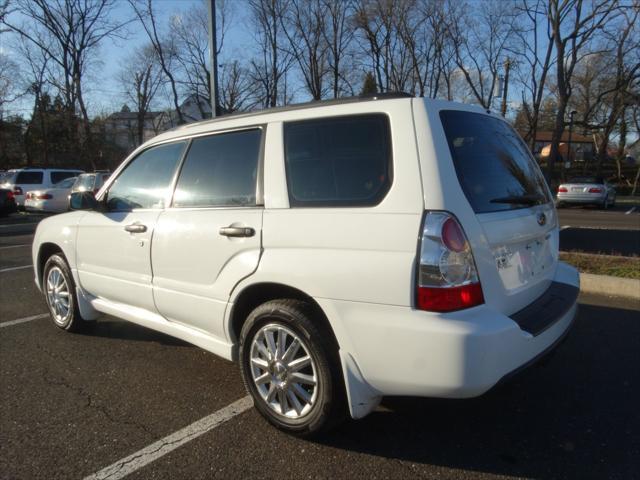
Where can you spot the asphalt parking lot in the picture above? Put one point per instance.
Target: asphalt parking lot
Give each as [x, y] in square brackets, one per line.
[71, 405]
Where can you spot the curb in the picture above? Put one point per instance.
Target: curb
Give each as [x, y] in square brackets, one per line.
[608, 285]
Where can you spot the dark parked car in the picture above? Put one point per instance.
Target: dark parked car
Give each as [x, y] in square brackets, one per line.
[7, 202]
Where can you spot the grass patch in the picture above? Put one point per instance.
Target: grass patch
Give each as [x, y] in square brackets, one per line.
[626, 267]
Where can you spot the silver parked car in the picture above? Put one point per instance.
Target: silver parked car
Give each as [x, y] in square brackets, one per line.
[586, 190]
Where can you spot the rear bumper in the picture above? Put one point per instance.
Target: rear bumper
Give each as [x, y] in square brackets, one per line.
[400, 351]
[592, 198]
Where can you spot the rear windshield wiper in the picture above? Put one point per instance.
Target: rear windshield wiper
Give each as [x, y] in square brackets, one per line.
[533, 199]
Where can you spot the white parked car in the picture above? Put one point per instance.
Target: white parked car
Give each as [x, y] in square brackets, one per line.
[586, 190]
[21, 180]
[50, 200]
[338, 251]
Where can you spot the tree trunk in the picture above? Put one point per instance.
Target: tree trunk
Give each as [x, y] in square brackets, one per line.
[635, 182]
[556, 136]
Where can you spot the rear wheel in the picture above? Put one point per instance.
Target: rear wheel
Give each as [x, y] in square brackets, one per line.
[290, 367]
[60, 295]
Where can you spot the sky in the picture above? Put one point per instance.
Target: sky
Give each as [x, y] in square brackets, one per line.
[103, 90]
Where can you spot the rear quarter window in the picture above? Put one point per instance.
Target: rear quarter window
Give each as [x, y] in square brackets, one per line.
[58, 176]
[492, 162]
[29, 178]
[338, 161]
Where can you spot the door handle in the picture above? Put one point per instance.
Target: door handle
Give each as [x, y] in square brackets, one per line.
[136, 228]
[237, 231]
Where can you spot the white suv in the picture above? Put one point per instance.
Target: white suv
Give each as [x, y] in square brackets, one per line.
[22, 180]
[339, 251]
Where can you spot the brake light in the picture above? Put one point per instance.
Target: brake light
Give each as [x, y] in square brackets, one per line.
[562, 190]
[17, 191]
[10, 195]
[44, 196]
[595, 190]
[447, 276]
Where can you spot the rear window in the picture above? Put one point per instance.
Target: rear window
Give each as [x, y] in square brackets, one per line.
[586, 180]
[57, 177]
[338, 161]
[493, 164]
[28, 178]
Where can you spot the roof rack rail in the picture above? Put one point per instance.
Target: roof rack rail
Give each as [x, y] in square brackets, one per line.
[299, 106]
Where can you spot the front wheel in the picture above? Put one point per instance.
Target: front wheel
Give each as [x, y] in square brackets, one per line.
[60, 295]
[290, 367]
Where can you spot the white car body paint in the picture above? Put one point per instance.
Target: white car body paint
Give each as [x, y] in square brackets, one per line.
[359, 264]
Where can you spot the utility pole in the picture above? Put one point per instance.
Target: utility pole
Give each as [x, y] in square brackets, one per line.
[213, 48]
[507, 66]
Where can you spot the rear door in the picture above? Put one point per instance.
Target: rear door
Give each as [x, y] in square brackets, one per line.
[210, 238]
[518, 254]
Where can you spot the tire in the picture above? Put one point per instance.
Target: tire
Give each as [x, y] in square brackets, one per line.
[319, 407]
[57, 280]
[605, 204]
[559, 205]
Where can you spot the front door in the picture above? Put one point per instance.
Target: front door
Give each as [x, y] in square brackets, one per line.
[210, 238]
[114, 245]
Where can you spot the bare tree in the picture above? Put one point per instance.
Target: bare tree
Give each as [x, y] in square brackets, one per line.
[304, 26]
[9, 76]
[378, 22]
[190, 30]
[573, 26]
[141, 76]
[481, 34]
[338, 37]
[165, 48]
[235, 88]
[70, 32]
[269, 69]
[535, 51]
[422, 28]
[610, 80]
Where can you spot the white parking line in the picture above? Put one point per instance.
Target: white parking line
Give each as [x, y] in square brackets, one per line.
[15, 246]
[565, 227]
[633, 209]
[23, 320]
[130, 464]
[11, 269]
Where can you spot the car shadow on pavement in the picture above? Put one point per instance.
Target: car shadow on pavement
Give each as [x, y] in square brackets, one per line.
[573, 415]
[107, 327]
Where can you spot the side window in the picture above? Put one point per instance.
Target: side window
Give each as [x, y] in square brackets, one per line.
[59, 176]
[29, 178]
[146, 180]
[340, 161]
[220, 170]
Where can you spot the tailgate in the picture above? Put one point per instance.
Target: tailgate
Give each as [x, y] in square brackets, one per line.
[516, 253]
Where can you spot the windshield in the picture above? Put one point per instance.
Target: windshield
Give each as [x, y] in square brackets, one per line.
[66, 183]
[84, 182]
[493, 164]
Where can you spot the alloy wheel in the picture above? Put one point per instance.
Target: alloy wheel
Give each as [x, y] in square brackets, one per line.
[284, 371]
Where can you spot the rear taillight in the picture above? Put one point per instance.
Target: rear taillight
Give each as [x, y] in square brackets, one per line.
[595, 190]
[17, 191]
[562, 190]
[447, 275]
[9, 195]
[44, 196]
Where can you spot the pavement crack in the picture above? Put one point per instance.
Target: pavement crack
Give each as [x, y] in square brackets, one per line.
[59, 380]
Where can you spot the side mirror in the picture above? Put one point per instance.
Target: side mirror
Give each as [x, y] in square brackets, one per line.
[83, 201]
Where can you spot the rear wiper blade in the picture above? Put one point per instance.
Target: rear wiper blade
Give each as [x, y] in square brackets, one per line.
[520, 199]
